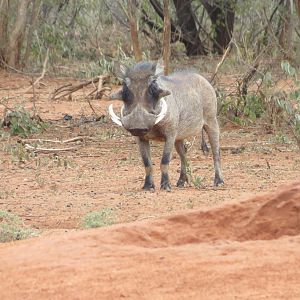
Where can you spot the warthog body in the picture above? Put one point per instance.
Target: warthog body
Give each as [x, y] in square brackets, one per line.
[170, 109]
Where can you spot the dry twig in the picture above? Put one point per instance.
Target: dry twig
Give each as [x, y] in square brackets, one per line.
[221, 61]
[235, 149]
[48, 150]
[41, 76]
[69, 89]
[243, 84]
[75, 139]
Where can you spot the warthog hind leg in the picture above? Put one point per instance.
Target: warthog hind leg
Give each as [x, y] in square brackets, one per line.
[181, 150]
[204, 147]
[212, 129]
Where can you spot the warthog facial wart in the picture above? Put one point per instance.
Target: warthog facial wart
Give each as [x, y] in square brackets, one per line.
[170, 109]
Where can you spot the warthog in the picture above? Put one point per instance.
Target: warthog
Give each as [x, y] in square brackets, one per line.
[170, 109]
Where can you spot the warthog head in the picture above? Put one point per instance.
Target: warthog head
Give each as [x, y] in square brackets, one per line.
[143, 98]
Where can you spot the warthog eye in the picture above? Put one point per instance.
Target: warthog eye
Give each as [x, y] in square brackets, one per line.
[127, 96]
[154, 90]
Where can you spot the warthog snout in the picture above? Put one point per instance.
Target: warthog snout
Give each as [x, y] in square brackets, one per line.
[139, 121]
[138, 131]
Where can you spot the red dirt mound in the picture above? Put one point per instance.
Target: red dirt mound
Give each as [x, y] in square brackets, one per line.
[242, 250]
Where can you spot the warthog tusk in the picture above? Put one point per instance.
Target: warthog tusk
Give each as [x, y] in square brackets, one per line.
[163, 112]
[113, 116]
[122, 109]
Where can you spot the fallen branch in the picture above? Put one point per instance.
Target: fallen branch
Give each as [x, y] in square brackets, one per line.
[92, 156]
[48, 150]
[63, 126]
[68, 89]
[235, 149]
[15, 70]
[81, 122]
[75, 139]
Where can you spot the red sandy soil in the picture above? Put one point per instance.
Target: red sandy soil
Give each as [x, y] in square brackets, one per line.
[53, 192]
[239, 250]
[221, 250]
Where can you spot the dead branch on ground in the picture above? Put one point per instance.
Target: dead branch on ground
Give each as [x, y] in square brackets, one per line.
[75, 139]
[48, 150]
[16, 71]
[37, 149]
[69, 89]
[80, 122]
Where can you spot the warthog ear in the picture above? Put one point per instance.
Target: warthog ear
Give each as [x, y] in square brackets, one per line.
[116, 95]
[164, 93]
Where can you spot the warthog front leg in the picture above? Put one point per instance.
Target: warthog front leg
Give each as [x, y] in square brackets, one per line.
[212, 129]
[164, 166]
[181, 150]
[144, 147]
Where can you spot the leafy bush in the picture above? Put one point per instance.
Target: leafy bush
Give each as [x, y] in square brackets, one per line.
[21, 122]
[100, 218]
[254, 107]
[290, 104]
[197, 181]
[12, 228]
[277, 106]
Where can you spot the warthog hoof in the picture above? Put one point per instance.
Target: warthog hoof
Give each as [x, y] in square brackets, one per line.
[165, 186]
[180, 183]
[182, 180]
[204, 149]
[218, 181]
[149, 186]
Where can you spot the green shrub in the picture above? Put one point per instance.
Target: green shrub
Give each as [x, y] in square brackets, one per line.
[197, 181]
[12, 228]
[100, 218]
[254, 107]
[21, 122]
[290, 104]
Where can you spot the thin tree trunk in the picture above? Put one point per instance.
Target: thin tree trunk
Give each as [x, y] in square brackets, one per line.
[285, 37]
[134, 30]
[188, 28]
[16, 38]
[176, 35]
[34, 14]
[4, 8]
[166, 37]
[222, 16]
[297, 2]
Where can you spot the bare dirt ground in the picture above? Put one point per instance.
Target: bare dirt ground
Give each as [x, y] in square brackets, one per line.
[55, 191]
[238, 250]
